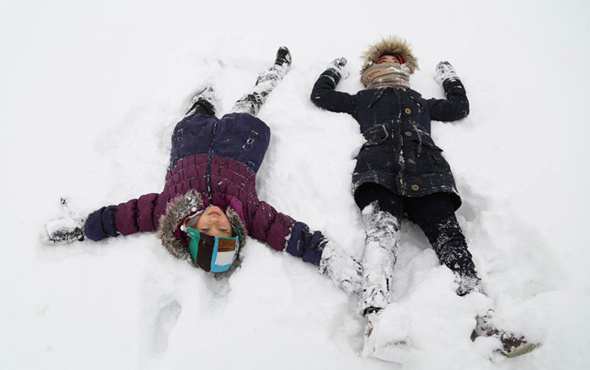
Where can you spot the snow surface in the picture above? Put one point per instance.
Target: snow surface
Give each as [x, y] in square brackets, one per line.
[90, 92]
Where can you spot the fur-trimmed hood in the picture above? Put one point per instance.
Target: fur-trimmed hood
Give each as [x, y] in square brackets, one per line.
[178, 209]
[394, 45]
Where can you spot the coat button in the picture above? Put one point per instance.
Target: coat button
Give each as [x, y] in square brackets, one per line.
[408, 111]
[411, 161]
[408, 133]
[415, 187]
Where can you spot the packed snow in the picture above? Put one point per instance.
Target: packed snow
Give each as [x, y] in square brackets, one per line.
[89, 96]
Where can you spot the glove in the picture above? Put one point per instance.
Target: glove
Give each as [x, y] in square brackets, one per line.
[64, 230]
[344, 270]
[445, 71]
[338, 66]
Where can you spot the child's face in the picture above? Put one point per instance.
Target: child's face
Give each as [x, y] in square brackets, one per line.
[388, 59]
[214, 222]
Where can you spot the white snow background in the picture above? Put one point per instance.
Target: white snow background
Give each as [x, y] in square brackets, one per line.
[90, 92]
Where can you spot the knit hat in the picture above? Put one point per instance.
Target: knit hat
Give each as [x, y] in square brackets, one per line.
[391, 45]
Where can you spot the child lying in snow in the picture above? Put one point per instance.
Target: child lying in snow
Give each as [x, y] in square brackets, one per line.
[400, 171]
[209, 204]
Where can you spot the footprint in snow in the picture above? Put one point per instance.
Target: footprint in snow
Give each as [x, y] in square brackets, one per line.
[165, 322]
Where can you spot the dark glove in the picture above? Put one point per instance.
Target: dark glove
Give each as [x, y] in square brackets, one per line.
[445, 71]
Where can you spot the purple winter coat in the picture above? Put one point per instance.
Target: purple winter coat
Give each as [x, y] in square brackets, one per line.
[213, 161]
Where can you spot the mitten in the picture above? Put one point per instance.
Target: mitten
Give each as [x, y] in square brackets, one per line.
[344, 270]
[64, 230]
[445, 71]
[338, 66]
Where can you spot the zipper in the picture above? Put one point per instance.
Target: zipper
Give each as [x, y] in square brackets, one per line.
[209, 163]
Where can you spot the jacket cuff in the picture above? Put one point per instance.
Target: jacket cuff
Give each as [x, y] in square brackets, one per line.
[453, 86]
[333, 74]
[305, 244]
[100, 224]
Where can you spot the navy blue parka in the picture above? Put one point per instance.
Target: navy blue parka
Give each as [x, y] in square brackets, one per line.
[399, 152]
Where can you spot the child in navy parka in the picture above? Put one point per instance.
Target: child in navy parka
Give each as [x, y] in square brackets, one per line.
[400, 172]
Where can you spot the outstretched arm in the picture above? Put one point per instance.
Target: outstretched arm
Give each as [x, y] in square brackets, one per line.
[282, 232]
[134, 216]
[324, 93]
[456, 106]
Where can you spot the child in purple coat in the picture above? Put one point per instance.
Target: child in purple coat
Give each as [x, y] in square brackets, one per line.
[209, 205]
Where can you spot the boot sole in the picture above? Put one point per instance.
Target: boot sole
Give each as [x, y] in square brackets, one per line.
[521, 350]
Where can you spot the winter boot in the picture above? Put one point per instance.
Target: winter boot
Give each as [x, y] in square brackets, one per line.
[512, 344]
[380, 342]
[468, 284]
[383, 233]
[283, 56]
[204, 102]
[265, 83]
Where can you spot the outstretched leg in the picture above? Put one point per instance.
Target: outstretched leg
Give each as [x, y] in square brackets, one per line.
[382, 213]
[435, 215]
[266, 82]
[203, 102]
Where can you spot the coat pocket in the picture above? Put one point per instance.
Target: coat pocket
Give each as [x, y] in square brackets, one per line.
[429, 155]
[376, 135]
[424, 139]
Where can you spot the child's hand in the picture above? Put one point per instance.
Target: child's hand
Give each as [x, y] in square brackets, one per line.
[344, 270]
[445, 71]
[338, 66]
[64, 230]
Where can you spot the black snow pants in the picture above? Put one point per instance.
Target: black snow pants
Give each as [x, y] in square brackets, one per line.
[434, 214]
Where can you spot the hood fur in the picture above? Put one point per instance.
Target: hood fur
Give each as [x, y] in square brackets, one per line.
[391, 44]
[177, 210]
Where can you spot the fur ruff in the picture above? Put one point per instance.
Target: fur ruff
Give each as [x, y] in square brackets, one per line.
[177, 210]
[394, 45]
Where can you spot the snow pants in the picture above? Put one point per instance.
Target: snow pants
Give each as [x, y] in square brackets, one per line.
[433, 213]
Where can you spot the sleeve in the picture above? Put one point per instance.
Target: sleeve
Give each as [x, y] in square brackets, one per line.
[455, 107]
[325, 96]
[282, 232]
[136, 215]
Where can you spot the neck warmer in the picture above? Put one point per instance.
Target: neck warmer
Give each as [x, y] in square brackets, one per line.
[380, 76]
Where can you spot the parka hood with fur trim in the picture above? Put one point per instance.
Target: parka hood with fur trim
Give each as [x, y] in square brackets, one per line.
[173, 238]
[393, 45]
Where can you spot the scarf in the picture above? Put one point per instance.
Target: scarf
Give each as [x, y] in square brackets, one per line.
[380, 76]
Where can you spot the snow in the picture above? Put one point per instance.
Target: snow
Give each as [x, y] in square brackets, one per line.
[90, 93]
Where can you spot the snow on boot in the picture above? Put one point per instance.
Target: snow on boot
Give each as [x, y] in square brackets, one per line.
[387, 334]
[512, 344]
[265, 83]
[468, 284]
[383, 233]
[344, 270]
[204, 101]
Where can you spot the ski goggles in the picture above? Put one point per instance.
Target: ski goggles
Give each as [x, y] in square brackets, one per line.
[213, 253]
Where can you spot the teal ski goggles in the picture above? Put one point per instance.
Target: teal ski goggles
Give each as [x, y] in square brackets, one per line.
[213, 253]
